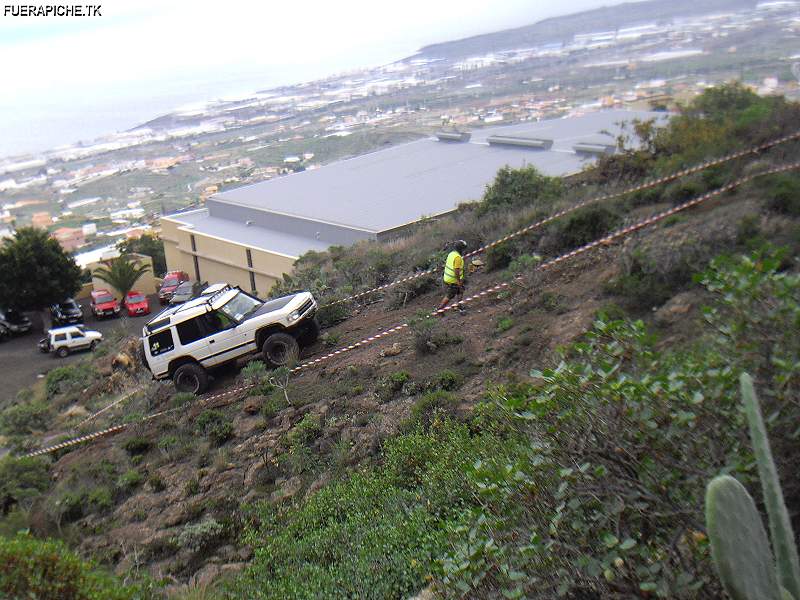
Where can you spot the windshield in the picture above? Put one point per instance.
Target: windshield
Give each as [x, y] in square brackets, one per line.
[69, 305]
[171, 281]
[240, 306]
[136, 298]
[105, 298]
[184, 288]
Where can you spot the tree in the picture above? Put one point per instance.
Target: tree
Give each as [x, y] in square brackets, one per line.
[121, 274]
[514, 188]
[149, 245]
[36, 272]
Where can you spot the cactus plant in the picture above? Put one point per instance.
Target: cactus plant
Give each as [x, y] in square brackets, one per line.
[739, 543]
[780, 526]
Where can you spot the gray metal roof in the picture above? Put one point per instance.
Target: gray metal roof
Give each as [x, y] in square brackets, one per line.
[392, 187]
[253, 237]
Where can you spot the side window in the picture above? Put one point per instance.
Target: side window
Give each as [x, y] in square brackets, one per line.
[61, 337]
[77, 334]
[190, 331]
[161, 342]
[218, 321]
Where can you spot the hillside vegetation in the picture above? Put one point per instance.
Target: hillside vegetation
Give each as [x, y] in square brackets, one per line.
[555, 441]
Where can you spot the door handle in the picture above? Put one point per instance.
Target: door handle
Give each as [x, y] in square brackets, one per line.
[210, 341]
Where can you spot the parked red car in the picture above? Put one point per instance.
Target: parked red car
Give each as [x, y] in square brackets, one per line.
[103, 304]
[171, 281]
[136, 303]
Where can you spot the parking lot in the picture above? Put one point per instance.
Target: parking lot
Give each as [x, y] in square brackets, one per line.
[21, 362]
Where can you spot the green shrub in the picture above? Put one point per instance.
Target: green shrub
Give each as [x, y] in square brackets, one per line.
[215, 425]
[504, 324]
[21, 480]
[783, 193]
[182, 398]
[523, 265]
[100, 498]
[424, 329]
[68, 378]
[584, 226]
[446, 380]
[129, 480]
[517, 188]
[331, 314]
[156, 482]
[275, 403]
[392, 385]
[22, 419]
[500, 256]
[671, 417]
[647, 283]
[431, 334]
[48, 570]
[168, 442]
[192, 487]
[330, 339]
[306, 430]
[748, 232]
[255, 374]
[682, 190]
[200, 536]
[432, 406]
[375, 534]
[137, 445]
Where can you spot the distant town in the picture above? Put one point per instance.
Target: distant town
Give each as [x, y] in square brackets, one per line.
[92, 195]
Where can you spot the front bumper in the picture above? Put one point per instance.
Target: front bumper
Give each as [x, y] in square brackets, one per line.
[70, 320]
[20, 328]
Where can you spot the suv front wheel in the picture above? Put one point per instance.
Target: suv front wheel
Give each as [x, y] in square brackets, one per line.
[191, 378]
[280, 349]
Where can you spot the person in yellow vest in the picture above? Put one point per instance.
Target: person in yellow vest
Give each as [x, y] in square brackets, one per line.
[454, 274]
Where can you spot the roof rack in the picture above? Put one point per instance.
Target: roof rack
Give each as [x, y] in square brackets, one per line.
[156, 322]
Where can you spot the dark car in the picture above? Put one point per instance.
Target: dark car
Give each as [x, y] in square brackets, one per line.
[14, 321]
[185, 291]
[171, 281]
[67, 312]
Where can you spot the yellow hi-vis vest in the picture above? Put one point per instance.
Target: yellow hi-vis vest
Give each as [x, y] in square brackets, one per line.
[454, 261]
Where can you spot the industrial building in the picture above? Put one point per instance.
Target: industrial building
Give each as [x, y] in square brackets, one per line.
[251, 235]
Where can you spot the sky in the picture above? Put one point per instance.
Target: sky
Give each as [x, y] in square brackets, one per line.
[71, 78]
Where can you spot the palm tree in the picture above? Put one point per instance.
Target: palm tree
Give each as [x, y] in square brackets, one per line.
[121, 274]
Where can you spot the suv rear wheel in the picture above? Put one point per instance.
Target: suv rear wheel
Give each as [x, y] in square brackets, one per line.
[280, 349]
[190, 377]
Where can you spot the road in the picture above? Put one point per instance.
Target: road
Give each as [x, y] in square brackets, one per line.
[21, 363]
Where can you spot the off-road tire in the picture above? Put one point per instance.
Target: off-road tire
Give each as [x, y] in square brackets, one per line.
[310, 333]
[280, 350]
[191, 378]
[62, 352]
[93, 345]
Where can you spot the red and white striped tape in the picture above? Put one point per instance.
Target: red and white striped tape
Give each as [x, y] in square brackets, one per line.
[647, 185]
[495, 288]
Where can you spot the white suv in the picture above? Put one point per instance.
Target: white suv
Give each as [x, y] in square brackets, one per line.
[184, 342]
[63, 340]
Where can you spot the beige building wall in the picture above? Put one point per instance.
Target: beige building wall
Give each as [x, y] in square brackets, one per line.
[220, 259]
[147, 283]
